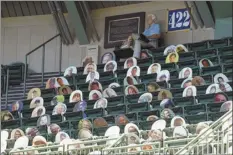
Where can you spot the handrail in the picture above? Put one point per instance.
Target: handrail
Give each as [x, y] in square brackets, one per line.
[43, 60]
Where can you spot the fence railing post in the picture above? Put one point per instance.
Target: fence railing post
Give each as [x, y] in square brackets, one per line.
[60, 56]
[25, 77]
[43, 61]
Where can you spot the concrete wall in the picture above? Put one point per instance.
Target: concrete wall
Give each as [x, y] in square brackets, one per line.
[223, 28]
[22, 34]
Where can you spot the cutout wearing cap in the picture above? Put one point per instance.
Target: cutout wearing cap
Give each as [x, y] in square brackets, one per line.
[107, 57]
[109, 92]
[154, 68]
[95, 85]
[166, 103]
[121, 120]
[110, 66]
[167, 114]
[50, 83]
[33, 93]
[181, 48]
[72, 70]
[80, 106]
[43, 120]
[226, 106]
[213, 88]
[101, 103]
[172, 58]
[17, 133]
[130, 80]
[38, 111]
[60, 136]
[205, 63]
[76, 96]
[186, 72]
[189, 91]
[53, 129]
[36, 102]
[57, 99]
[131, 90]
[180, 131]
[21, 142]
[220, 78]
[187, 82]
[16, 106]
[164, 94]
[39, 141]
[146, 97]
[90, 67]
[114, 85]
[177, 121]
[61, 81]
[169, 49]
[163, 75]
[133, 71]
[59, 109]
[153, 87]
[100, 122]
[92, 76]
[159, 124]
[84, 134]
[64, 90]
[95, 95]
[6, 116]
[130, 62]
[198, 81]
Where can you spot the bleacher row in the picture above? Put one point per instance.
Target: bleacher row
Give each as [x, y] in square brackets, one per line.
[194, 109]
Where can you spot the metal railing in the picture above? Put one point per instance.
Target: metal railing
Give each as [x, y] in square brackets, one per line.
[43, 61]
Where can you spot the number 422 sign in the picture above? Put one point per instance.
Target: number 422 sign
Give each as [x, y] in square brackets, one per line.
[178, 20]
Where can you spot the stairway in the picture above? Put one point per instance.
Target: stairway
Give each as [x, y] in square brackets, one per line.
[15, 92]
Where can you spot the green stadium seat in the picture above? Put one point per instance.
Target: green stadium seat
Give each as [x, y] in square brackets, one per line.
[183, 101]
[26, 122]
[100, 131]
[64, 125]
[201, 89]
[143, 70]
[42, 129]
[226, 59]
[208, 79]
[194, 119]
[74, 133]
[80, 70]
[215, 115]
[145, 125]
[132, 99]
[176, 83]
[115, 110]
[110, 120]
[225, 51]
[120, 65]
[227, 68]
[16, 114]
[206, 53]
[100, 68]
[179, 111]
[198, 46]
[141, 87]
[119, 90]
[229, 94]
[229, 75]
[158, 51]
[137, 107]
[162, 84]
[106, 76]
[26, 113]
[73, 115]
[160, 59]
[186, 56]
[56, 118]
[205, 98]
[177, 92]
[169, 66]
[148, 78]
[26, 104]
[90, 104]
[93, 113]
[121, 74]
[190, 63]
[174, 74]
[10, 124]
[218, 43]
[142, 115]
[47, 93]
[211, 70]
[155, 105]
[118, 100]
[133, 117]
[83, 86]
[144, 62]
[194, 109]
[106, 83]
[212, 107]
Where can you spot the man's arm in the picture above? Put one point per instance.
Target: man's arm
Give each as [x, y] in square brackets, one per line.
[154, 36]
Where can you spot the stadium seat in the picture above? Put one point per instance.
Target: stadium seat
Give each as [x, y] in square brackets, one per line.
[133, 99]
[194, 119]
[186, 56]
[137, 107]
[115, 110]
[226, 59]
[211, 70]
[227, 68]
[201, 89]
[178, 111]
[215, 115]
[118, 100]
[93, 113]
[211, 107]
[10, 124]
[218, 43]
[223, 51]
[158, 51]
[144, 62]
[194, 109]
[198, 46]
[169, 66]
[205, 98]
[183, 101]
[177, 92]
[142, 116]
[206, 53]
[148, 78]
[190, 63]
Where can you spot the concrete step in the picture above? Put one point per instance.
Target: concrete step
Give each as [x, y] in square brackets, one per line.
[46, 74]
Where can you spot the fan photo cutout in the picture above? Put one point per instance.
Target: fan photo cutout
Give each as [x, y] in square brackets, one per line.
[169, 49]
[145, 98]
[133, 71]
[95, 95]
[38, 101]
[187, 82]
[131, 90]
[164, 94]
[172, 58]
[95, 85]
[59, 109]
[181, 48]
[33, 93]
[50, 83]
[110, 66]
[108, 57]
[87, 60]
[205, 63]
[56, 99]
[145, 54]
[38, 111]
[109, 92]
[16, 106]
[220, 78]
[101, 103]
[186, 73]
[61, 81]
[198, 81]
[163, 75]
[76, 96]
[72, 70]
[213, 88]
[80, 106]
[91, 67]
[114, 85]
[153, 87]
[154, 68]
[130, 80]
[130, 62]
[189, 91]
[92, 76]
[44, 120]
[64, 90]
[225, 87]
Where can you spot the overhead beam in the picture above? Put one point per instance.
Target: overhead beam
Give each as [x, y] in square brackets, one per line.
[77, 22]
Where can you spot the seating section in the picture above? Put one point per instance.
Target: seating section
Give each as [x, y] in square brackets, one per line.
[193, 109]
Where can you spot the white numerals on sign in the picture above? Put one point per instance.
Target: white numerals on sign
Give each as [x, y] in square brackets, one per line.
[179, 19]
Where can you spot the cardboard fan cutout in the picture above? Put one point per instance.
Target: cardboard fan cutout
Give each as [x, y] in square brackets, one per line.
[44, 120]
[53, 129]
[187, 82]
[95, 85]
[38, 111]
[110, 66]
[16, 133]
[61, 81]
[133, 149]
[145, 54]
[169, 49]
[133, 71]
[36, 102]
[225, 87]
[156, 135]
[76, 96]
[92, 76]
[109, 92]
[101, 103]
[205, 63]
[172, 58]
[87, 60]
[107, 57]
[153, 87]
[166, 103]
[72, 70]
[21, 142]
[84, 134]
[112, 132]
[189, 91]
[114, 85]
[177, 121]
[59, 109]
[163, 75]
[167, 114]
[130, 62]
[84, 124]
[130, 80]
[146, 97]
[131, 128]
[60, 136]
[64, 90]
[16, 106]
[6, 116]
[186, 72]
[200, 126]
[5, 135]
[99, 122]
[159, 125]
[213, 88]
[95, 95]
[152, 118]
[220, 97]
[164, 94]
[33, 93]
[57, 99]
[180, 131]
[220, 78]
[91, 67]
[132, 138]
[154, 68]
[32, 132]
[39, 141]
[226, 106]
[198, 81]
[131, 90]
[181, 48]
[50, 83]
[121, 120]
[80, 106]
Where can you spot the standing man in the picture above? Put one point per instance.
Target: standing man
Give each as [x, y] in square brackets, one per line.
[152, 33]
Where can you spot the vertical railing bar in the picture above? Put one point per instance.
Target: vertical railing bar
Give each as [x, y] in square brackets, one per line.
[43, 61]
[60, 56]
[7, 86]
[25, 77]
